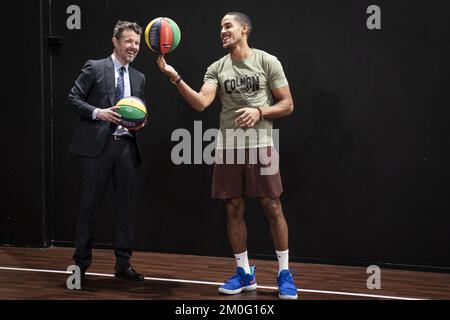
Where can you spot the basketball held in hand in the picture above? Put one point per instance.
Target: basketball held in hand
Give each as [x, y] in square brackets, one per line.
[133, 113]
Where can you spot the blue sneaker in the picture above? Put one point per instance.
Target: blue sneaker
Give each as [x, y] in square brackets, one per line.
[240, 282]
[286, 286]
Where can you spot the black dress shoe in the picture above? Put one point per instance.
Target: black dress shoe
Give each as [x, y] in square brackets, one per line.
[129, 274]
[82, 275]
[82, 279]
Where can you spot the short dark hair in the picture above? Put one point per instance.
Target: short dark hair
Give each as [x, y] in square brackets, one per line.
[123, 25]
[242, 18]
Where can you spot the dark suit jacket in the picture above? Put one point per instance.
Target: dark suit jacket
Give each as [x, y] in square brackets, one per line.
[95, 88]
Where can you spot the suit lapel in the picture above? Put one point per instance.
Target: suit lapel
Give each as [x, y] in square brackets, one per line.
[133, 82]
[110, 81]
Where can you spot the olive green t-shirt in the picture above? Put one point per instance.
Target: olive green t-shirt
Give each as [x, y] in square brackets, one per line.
[245, 83]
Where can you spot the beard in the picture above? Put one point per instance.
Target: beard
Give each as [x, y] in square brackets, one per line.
[130, 57]
[127, 56]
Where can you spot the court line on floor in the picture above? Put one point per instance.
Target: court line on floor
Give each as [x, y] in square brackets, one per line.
[218, 284]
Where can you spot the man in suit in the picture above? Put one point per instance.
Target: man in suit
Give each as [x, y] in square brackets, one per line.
[107, 149]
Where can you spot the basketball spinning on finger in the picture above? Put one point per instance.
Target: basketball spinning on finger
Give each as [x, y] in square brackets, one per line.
[162, 35]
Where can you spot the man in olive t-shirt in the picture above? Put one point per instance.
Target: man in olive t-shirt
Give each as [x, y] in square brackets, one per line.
[247, 81]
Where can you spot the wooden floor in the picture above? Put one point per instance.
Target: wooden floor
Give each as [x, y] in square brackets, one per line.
[39, 274]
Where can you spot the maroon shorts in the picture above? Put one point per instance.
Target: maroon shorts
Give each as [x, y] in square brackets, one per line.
[247, 172]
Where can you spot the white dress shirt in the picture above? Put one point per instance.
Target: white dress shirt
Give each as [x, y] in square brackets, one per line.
[127, 92]
[126, 81]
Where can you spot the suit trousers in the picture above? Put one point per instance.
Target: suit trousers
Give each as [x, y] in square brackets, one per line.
[119, 161]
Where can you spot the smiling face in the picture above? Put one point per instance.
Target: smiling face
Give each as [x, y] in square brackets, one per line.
[232, 32]
[126, 47]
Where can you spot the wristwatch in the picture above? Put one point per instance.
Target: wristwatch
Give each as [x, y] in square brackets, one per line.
[260, 112]
[176, 82]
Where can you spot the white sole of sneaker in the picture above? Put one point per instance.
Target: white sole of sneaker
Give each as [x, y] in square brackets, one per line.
[288, 297]
[237, 291]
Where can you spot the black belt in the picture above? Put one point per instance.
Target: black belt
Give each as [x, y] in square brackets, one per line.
[122, 137]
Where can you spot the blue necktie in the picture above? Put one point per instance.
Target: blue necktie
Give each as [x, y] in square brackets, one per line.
[120, 89]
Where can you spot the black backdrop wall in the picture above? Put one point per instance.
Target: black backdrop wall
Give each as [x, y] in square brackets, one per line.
[364, 157]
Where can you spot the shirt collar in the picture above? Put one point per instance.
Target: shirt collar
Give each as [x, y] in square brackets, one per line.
[117, 64]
